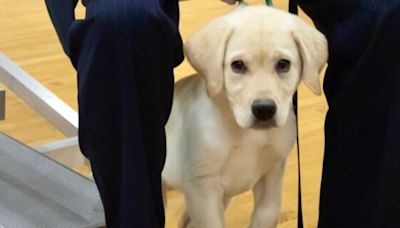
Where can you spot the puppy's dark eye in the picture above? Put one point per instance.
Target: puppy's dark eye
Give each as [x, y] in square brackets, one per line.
[239, 67]
[283, 66]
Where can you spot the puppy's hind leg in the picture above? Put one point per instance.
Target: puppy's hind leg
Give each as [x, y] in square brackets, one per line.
[164, 193]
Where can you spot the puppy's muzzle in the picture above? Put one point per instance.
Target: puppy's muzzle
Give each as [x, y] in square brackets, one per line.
[263, 110]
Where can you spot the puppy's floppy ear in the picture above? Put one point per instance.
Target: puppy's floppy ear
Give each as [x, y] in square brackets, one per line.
[206, 53]
[313, 49]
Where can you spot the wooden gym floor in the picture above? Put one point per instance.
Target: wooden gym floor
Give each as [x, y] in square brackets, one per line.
[28, 38]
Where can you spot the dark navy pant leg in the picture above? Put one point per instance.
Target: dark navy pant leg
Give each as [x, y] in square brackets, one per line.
[124, 52]
[361, 173]
[361, 178]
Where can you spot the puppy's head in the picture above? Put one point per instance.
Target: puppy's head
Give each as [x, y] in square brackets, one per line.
[257, 56]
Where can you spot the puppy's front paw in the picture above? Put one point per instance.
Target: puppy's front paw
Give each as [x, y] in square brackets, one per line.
[185, 221]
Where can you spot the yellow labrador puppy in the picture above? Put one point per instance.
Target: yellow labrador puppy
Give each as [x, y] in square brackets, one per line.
[231, 129]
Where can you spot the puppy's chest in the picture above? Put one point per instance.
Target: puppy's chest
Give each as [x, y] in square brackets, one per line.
[244, 166]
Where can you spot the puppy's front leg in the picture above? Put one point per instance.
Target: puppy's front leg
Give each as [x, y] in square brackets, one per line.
[204, 199]
[267, 198]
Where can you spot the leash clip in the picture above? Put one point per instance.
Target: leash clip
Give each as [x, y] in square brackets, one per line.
[267, 2]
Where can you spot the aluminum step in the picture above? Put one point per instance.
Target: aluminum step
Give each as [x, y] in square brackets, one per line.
[36, 191]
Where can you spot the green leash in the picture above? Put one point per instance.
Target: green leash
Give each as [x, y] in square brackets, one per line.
[267, 2]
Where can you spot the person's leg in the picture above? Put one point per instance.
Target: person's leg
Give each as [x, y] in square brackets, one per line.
[125, 52]
[362, 155]
[360, 183]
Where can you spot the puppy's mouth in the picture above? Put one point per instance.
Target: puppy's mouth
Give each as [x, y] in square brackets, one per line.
[263, 125]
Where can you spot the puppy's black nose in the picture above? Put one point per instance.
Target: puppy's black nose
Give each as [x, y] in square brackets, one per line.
[263, 109]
